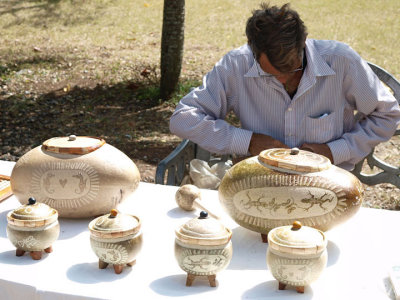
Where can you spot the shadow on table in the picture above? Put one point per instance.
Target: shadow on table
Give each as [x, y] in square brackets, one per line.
[9, 257]
[333, 253]
[70, 228]
[249, 252]
[175, 286]
[3, 223]
[89, 273]
[179, 213]
[269, 290]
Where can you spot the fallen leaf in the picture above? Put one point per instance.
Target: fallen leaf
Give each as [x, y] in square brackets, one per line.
[67, 88]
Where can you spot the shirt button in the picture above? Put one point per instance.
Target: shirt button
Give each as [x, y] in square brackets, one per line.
[290, 109]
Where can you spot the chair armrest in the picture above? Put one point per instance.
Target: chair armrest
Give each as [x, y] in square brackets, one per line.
[389, 174]
[176, 164]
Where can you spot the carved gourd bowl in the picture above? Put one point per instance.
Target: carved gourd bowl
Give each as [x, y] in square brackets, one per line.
[78, 176]
[203, 247]
[281, 186]
[296, 255]
[33, 228]
[116, 239]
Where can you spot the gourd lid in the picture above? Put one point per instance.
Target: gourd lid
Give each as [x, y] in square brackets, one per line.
[33, 214]
[73, 144]
[204, 231]
[114, 225]
[297, 239]
[294, 160]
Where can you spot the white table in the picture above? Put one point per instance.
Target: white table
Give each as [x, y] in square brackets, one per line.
[360, 254]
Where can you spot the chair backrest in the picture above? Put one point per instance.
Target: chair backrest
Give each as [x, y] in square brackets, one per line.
[389, 173]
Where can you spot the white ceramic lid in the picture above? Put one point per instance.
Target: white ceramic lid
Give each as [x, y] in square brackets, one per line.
[114, 225]
[289, 160]
[73, 144]
[33, 214]
[297, 239]
[203, 231]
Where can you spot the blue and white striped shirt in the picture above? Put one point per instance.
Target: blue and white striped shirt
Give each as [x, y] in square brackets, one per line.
[335, 83]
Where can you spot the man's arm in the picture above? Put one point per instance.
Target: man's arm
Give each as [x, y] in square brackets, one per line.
[260, 142]
[200, 115]
[367, 95]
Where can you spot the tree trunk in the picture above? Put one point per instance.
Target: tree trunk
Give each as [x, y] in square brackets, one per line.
[173, 30]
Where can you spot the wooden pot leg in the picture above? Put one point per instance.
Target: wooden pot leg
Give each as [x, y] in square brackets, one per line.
[36, 255]
[49, 249]
[19, 252]
[102, 264]
[211, 280]
[282, 286]
[300, 289]
[118, 268]
[190, 279]
[132, 263]
[264, 237]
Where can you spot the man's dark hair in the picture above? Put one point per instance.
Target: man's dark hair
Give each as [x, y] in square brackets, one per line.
[277, 32]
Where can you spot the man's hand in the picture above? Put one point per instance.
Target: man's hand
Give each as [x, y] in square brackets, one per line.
[260, 142]
[322, 149]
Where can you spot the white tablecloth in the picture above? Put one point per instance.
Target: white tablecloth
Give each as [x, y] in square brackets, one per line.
[360, 252]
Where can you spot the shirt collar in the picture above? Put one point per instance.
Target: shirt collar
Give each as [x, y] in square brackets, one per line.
[315, 62]
[318, 66]
[255, 70]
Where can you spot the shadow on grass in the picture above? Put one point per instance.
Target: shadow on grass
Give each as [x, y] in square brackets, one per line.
[18, 64]
[40, 13]
[127, 115]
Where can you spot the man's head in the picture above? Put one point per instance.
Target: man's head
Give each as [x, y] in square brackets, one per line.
[279, 33]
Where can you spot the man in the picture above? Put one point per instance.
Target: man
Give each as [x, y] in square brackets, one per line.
[288, 91]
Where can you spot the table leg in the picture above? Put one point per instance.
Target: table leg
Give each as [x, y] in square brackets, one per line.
[282, 286]
[300, 289]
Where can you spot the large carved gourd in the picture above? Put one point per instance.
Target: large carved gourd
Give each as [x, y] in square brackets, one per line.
[281, 186]
[77, 176]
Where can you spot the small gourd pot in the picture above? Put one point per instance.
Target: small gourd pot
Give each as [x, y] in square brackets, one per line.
[79, 176]
[33, 228]
[280, 186]
[116, 239]
[203, 247]
[296, 255]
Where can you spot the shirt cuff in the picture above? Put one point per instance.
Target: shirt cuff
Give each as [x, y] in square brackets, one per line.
[240, 141]
[340, 151]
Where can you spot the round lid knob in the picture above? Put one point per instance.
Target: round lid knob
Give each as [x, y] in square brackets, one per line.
[203, 231]
[33, 211]
[203, 215]
[297, 239]
[114, 224]
[73, 144]
[294, 160]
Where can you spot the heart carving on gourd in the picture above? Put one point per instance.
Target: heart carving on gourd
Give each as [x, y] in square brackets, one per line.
[63, 182]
